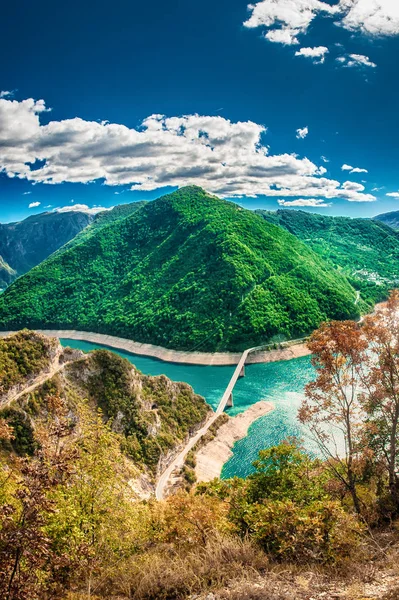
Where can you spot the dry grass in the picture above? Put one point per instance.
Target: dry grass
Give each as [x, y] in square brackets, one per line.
[227, 568]
[165, 574]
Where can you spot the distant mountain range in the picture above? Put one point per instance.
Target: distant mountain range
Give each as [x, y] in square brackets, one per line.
[191, 271]
[391, 219]
[187, 271]
[25, 244]
[365, 250]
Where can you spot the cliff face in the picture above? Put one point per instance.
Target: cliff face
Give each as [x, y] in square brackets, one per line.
[7, 274]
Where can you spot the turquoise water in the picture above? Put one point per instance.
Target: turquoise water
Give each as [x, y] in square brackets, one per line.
[281, 383]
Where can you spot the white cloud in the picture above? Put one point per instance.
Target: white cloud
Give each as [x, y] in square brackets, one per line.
[284, 36]
[393, 194]
[372, 17]
[26, 193]
[353, 169]
[353, 186]
[34, 204]
[356, 60]
[318, 54]
[302, 133]
[324, 159]
[226, 158]
[315, 202]
[358, 170]
[80, 208]
[286, 19]
[5, 94]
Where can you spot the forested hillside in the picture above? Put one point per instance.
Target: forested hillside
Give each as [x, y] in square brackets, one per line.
[365, 250]
[105, 218]
[27, 243]
[186, 271]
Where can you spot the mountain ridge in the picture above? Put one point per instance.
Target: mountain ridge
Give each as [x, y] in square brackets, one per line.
[390, 218]
[365, 250]
[187, 271]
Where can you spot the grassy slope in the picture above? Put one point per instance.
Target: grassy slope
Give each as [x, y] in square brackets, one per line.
[365, 250]
[187, 271]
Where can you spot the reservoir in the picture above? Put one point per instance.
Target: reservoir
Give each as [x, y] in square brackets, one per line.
[280, 382]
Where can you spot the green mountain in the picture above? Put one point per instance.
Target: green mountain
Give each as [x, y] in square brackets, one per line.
[25, 244]
[391, 219]
[105, 218]
[365, 250]
[187, 271]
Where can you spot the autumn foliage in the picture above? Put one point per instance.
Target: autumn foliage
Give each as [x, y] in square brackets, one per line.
[352, 407]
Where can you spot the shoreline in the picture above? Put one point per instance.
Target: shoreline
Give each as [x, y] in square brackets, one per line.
[288, 351]
[211, 458]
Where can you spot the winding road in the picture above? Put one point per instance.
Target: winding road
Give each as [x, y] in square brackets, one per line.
[179, 459]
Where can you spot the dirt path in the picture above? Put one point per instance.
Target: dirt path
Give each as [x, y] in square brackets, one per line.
[39, 380]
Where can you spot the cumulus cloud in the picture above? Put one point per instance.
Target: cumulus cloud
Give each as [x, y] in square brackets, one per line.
[318, 54]
[353, 186]
[315, 202]
[34, 204]
[284, 36]
[393, 194]
[353, 169]
[372, 17]
[358, 170]
[284, 20]
[81, 208]
[226, 158]
[302, 133]
[356, 61]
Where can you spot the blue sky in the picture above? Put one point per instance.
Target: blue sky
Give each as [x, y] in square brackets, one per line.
[116, 102]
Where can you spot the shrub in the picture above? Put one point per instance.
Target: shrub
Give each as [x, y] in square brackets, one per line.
[320, 531]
